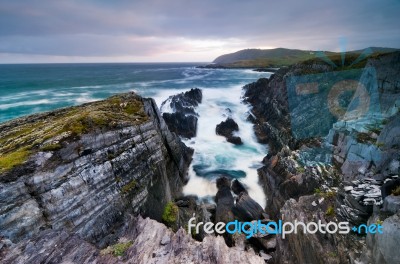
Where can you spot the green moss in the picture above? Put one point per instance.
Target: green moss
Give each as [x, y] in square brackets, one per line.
[51, 147]
[300, 169]
[364, 138]
[10, 160]
[118, 249]
[330, 211]
[132, 108]
[317, 191]
[396, 191]
[379, 221]
[19, 140]
[170, 214]
[128, 187]
[379, 144]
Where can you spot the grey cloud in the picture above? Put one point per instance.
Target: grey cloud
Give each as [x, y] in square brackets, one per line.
[103, 27]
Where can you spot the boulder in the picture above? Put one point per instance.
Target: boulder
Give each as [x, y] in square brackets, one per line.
[246, 209]
[227, 128]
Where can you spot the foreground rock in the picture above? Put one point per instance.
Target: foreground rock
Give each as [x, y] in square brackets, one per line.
[143, 241]
[82, 168]
[227, 128]
[179, 112]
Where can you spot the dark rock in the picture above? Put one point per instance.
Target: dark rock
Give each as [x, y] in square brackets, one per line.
[237, 187]
[389, 186]
[181, 124]
[183, 119]
[225, 203]
[226, 129]
[246, 209]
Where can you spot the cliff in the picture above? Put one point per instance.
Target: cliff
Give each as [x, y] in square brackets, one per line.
[81, 169]
[345, 170]
[75, 183]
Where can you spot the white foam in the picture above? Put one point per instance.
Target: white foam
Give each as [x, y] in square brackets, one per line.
[216, 152]
[23, 103]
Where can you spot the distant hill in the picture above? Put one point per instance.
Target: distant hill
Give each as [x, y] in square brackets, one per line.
[262, 58]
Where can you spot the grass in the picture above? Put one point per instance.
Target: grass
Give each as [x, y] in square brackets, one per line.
[10, 160]
[364, 138]
[396, 192]
[170, 214]
[51, 147]
[326, 195]
[330, 211]
[126, 189]
[47, 132]
[118, 249]
[300, 169]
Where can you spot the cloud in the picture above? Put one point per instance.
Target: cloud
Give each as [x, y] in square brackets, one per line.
[183, 29]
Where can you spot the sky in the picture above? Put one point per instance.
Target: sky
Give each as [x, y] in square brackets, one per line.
[39, 31]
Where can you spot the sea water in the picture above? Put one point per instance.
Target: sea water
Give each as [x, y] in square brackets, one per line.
[33, 88]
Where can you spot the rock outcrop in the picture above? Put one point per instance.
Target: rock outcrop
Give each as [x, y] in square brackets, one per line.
[227, 128]
[179, 112]
[346, 171]
[143, 241]
[84, 167]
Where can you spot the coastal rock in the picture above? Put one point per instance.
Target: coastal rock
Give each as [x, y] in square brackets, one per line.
[135, 164]
[391, 204]
[179, 112]
[383, 248]
[147, 242]
[227, 128]
[318, 247]
[246, 209]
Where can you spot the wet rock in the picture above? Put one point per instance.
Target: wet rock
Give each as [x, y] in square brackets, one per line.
[246, 209]
[179, 112]
[224, 201]
[181, 124]
[227, 128]
[237, 187]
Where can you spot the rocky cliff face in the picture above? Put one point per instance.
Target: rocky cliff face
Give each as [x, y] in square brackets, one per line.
[338, 177]
[147, 242]
[86, 166]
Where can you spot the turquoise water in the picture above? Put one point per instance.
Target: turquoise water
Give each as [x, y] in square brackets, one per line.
[27, 89]
[32, 88]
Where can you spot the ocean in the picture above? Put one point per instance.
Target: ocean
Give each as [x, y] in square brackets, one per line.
[31, 88]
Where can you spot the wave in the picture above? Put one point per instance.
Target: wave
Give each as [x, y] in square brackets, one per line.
[24, 103]
[214, 156]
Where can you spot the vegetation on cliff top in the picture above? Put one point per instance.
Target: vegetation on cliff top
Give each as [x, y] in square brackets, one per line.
[279, 57]
[47, 131]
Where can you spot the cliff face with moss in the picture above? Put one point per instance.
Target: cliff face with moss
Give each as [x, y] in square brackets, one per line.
[81, 169]
[348, 174]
